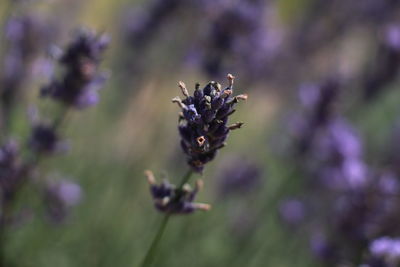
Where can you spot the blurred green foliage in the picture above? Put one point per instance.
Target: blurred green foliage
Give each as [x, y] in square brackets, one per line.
[112, 144]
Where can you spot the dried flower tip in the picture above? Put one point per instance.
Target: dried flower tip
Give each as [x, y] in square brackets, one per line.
[241, 97]
[172, 200]
[226, 93]
[200, 140]
[162, 202]
[178, 101]
[218, 87]
[230, 79]
[183, 88]
[88, 69]
[234, 126]
[207, 98]
[199, 185]
[202, 206]
[150, 177]
[165, 201]
[186, 188]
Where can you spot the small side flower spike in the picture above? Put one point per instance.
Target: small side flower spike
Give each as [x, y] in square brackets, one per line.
[172, 200]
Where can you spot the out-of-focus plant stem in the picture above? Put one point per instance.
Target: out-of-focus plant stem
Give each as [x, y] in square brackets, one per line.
[4, 119]
[148, 259]
[7, 204]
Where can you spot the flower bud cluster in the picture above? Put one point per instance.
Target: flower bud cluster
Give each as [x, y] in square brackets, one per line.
[175, 200]
[81, 81]
[203, 122]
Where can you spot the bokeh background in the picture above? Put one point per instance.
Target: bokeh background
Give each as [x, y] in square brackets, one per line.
[268, 209]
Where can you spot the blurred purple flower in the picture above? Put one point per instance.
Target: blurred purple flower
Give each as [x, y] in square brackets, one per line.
[389, 184]
[319, 100]
[387, 249]
[11, 169]
[25, 37]
[292, 211]
[60, 197]
[44, 139]
[238, 175]
[142, 25]
[322, 248]
[392, 36]
[309, 95]
[338, 150]
[79, 86]
[237, 31]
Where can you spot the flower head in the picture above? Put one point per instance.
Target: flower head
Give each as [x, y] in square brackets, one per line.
[203, 121]
[81, 81]
[173, 200]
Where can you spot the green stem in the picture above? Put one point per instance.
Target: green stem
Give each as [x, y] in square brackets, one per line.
[150, 253]
[148, 259]
[62, 116]
[6, 205]
[185, 178]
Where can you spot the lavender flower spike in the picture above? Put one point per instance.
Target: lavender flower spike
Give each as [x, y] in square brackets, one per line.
[203, 121]
[81, 81]
[172, 200]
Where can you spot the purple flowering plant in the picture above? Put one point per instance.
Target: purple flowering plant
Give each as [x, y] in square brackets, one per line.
[203, 128]
[75, 88]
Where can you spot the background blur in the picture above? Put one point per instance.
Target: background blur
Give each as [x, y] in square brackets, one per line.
[267, 216]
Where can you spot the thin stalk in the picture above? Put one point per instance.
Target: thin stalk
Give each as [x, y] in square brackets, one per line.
[185, 178]
[4, 114]
[148, 259]
[151, 252]
[62, 116]
[7, 204]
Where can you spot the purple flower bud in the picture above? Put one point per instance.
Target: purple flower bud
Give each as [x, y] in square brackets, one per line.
[238, 175]
[392, 35]
[292, 211]
[389, 184]
[44, 139]
[60, 197]
[190, 114]
[322, 248]
[217, 103]
[309, 95]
